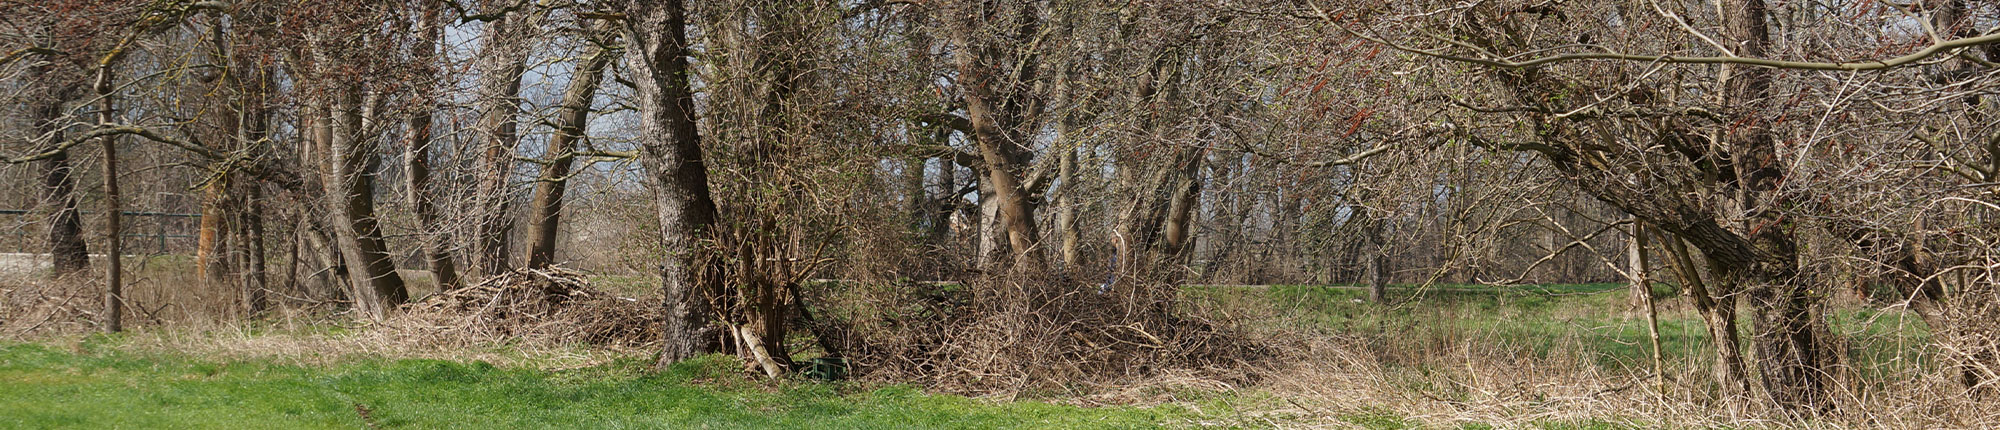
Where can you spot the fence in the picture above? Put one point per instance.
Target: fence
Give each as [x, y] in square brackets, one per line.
[166, 232]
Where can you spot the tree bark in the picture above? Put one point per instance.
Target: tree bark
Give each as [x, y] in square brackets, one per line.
[1179, 223]
[655, 56]
[1717, 308]
[66, 247]
[1789, 354]
[316, 222]
[213, 243]
[990, 247]
[571, 120]
[995, 105]
[335, 281]
[503, 58]
[114, 269]
[255, 282]
[1375, 257]
[253, 128]
[1066, 206]
[65, 240]
[212, 235]
[1638, 272]
[378, 289]
[417, 159]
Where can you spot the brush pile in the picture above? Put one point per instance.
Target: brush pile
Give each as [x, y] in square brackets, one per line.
[551, 305]
[1041, 335]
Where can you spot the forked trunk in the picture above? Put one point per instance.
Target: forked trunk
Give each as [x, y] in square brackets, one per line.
[503, 57]
[571, 121]
[377, 288]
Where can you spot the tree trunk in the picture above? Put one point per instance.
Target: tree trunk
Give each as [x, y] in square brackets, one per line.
[256, 295]
[315, 220]
[1637, 271]
[114, 269]
[1185, 194]
[503, 58]
[655, 57]
[417, 161]
[65, 239]
[991, 247]
[1372, 268]
[1066, 206]
[292, 257]
[1717, 308]
[1789, 355]
[212, 237]
[214, 249]
[66, 246]
[335, 281]
[1640, 292]
[571, 121]
[1375, 255]
[351, 190]
[996, 107]
[253, 129]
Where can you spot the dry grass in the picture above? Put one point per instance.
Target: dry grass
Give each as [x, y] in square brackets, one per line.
[159, 291]
[1478, 383]
[30, 305]
[1441, 375]
[541, 318]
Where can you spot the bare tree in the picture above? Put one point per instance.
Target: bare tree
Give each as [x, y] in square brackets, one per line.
[346, 129]
[572, 118]
[419, 148]
[503, 57]
[997, 65]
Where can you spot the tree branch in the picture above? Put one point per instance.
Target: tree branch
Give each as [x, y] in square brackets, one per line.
[1889, 63]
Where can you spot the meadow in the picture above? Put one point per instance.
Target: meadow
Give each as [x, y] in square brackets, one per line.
[1417, 353]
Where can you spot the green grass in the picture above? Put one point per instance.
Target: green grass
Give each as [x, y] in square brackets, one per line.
[47, 388]
[627, 285]
[1557, 319]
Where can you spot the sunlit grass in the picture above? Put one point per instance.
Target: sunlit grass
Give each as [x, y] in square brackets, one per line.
[95, 388]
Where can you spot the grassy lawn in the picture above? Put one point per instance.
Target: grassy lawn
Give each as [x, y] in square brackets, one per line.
[102, 382]
[1558, 319]
[47, 388]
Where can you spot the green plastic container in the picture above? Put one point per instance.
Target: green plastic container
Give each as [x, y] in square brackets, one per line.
[827, 369]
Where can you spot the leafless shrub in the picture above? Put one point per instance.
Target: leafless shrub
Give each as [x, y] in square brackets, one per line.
[39, 307]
